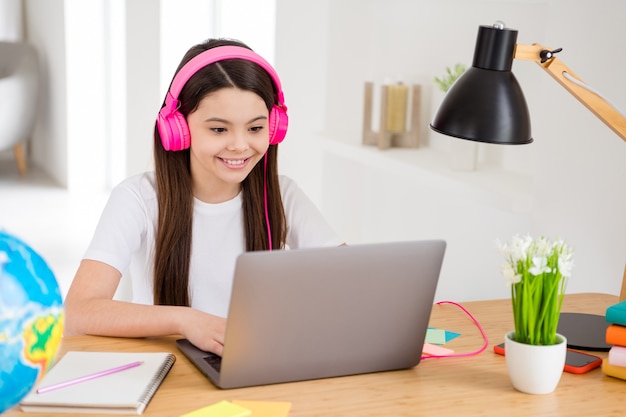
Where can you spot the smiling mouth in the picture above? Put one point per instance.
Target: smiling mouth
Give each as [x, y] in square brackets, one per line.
[235, 163]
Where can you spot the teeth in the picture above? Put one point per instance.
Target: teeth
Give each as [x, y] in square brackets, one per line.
[234, 161]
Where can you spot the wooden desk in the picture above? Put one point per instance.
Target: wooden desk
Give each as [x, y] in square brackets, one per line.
[469, 386]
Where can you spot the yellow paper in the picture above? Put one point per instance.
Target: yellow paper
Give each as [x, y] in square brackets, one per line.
[266, 408]
[220, 409]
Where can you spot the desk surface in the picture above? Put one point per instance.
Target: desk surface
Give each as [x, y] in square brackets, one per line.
[467, 386]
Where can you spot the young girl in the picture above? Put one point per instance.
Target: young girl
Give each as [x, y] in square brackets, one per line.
[214, 194]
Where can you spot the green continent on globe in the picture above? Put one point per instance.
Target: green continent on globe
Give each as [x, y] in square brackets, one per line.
[42, 339]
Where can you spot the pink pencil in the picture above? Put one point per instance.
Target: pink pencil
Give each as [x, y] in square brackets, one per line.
[88, 377]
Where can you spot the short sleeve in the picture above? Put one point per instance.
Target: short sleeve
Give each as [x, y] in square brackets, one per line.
[123, 225]
[306, 226]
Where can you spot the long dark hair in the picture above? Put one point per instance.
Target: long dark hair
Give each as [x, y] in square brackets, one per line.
[173, 178]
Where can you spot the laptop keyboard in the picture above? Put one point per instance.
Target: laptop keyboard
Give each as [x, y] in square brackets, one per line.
[214, 361]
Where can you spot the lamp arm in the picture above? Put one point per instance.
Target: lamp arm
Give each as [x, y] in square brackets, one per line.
[560, 72]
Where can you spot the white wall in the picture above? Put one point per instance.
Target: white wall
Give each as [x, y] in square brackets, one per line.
[568, 183]
[86, 75]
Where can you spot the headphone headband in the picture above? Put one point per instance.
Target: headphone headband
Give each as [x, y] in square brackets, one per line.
[222, 53]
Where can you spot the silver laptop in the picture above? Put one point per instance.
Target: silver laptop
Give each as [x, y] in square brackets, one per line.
[325, 312]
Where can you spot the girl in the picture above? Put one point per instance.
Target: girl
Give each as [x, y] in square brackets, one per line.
[215, 193]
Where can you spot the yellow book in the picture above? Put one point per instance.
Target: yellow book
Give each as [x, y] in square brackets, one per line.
[266, 408]
[613, 370]
[220, 409]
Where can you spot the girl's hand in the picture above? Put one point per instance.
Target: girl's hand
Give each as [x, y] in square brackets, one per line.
[205, 331]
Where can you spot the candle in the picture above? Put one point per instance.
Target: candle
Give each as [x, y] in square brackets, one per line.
[397, 98]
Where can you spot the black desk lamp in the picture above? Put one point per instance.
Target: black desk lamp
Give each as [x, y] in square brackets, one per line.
[486, 104]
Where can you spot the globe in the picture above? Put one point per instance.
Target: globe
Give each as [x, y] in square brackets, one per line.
[31, 319]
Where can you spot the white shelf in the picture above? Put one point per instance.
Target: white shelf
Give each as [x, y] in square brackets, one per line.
[497, 188]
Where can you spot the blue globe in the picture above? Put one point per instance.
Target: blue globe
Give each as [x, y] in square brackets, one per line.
[31, 319]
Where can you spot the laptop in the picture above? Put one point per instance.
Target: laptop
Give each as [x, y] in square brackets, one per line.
[317, 313]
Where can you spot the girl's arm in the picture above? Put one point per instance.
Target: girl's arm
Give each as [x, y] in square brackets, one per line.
[90, 309]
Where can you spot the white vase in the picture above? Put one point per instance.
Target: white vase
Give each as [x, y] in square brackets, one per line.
[535, 369]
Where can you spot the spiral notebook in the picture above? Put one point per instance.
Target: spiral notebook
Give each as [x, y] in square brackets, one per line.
[124, 392]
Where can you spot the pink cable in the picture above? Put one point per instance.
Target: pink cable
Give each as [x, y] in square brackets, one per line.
[267, 216]
[482, 332]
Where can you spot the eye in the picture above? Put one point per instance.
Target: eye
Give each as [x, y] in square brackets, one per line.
[255, 129]
[218, 129]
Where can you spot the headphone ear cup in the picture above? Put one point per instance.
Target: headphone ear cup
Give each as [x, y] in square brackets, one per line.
[277, 124]
[174, 131]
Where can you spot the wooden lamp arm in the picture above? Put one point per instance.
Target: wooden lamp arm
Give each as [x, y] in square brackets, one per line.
[555, 67]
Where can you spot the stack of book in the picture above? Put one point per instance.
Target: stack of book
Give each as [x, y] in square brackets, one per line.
[615, 364]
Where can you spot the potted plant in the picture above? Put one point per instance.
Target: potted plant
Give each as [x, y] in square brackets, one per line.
[537, 271]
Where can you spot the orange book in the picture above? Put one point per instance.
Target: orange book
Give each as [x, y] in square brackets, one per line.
[616, 335]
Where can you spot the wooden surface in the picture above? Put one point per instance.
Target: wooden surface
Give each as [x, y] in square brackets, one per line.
[468, 386]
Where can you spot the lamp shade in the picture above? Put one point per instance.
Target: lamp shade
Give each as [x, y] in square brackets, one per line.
[486, 104]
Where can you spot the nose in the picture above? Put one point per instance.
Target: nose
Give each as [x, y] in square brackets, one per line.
[238, 142]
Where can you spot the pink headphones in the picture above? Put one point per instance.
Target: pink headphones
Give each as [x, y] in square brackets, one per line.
[172, 125]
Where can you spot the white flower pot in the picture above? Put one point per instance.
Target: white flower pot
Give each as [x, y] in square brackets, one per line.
[535, 369]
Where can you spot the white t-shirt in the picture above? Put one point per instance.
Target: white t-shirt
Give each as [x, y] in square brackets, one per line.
[125, 239]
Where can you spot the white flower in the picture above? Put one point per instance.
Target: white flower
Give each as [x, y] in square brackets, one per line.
[509, 274]
[565, 268]
[566, 264]
[517, 248]
[543, 247]
[525, 254]
[540, 265]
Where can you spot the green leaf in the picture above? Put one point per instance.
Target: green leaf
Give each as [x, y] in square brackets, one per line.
[452, 74]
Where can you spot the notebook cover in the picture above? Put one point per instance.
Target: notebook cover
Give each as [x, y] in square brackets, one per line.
[617, 355]
[616, 335]
[617, 313]
[613, 370]
[124, 392]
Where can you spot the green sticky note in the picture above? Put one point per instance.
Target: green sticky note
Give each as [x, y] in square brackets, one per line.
[436, 336]
[439, 336]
